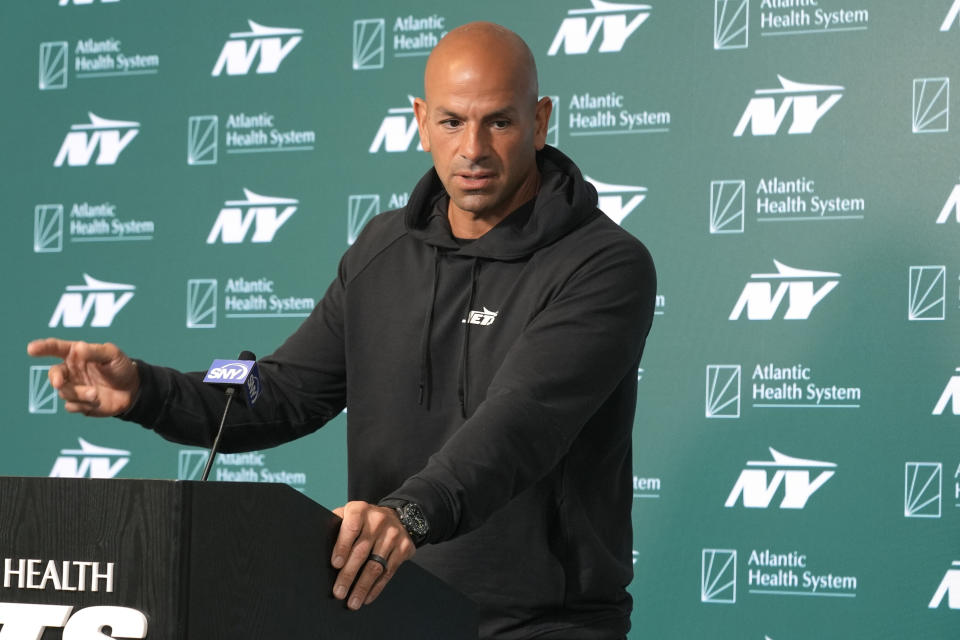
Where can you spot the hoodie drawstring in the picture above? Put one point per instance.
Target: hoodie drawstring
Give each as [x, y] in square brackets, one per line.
[425, 374]
[462, 382]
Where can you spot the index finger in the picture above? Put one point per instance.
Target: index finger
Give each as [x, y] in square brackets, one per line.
[350, 530]
[95, 352]
[54, 347]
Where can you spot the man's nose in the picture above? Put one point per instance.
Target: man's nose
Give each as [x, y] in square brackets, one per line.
[475, 143]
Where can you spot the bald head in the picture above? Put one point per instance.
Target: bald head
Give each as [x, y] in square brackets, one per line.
[483, 50]
[482, 123]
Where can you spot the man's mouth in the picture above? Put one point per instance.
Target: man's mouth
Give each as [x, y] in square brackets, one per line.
[474, 179]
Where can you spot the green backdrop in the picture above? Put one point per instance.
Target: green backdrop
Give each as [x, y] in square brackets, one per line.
[181, 178]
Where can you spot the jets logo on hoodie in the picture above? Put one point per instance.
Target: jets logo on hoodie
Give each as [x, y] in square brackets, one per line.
[483, 318]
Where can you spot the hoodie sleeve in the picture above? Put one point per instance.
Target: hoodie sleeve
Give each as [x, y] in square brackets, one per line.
[556, 376]
[304, 386]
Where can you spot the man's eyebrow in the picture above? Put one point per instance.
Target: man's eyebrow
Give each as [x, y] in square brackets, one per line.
[443, 111]
[506, 112]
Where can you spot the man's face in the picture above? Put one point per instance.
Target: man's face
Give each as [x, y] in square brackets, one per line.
[483, 133]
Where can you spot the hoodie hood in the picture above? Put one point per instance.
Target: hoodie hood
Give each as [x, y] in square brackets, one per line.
[564, 202]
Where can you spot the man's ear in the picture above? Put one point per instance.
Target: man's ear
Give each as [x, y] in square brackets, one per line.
[420, 111]
[544, 109]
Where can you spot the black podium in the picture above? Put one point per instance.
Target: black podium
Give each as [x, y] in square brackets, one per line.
[197, 561]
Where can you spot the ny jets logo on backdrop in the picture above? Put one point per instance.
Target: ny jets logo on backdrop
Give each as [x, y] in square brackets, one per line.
[806, 103]
[617, 21]
[617, 201]
[949, 588]
[89, 461]
[397, 131]
[103, 299]
[951, 396]
[109, 136]
[237, 217]
[64, 3]
[952, 206]
[952, 16]
[483, 318]
[244, 47]
[797, 286]
[758, 489]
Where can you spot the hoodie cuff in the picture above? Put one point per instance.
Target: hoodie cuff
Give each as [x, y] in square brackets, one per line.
[437, 510]
[148, 401]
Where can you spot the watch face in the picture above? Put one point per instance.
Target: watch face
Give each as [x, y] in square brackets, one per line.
[412, 518]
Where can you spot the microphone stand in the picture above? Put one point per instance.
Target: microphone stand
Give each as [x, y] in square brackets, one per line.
[216, 441]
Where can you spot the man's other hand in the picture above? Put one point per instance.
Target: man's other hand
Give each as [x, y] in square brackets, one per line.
[367, 529]
[93, 379]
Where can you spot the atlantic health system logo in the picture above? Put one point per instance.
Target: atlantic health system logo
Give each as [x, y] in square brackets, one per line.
[718, 576]
[927, 293]
[775, 386]
[110, 136]
[42, 398]
[250, 466]
[931, 105]
[731, 24]
[767, 111]
[88, 222]
[770, 573]
[243, 298]
[270, 44]
[413, 36]
[361, 207]
[801, 288]
[723, 391]
[731, 20]
[93, 58]
[616, 20]
[777, 199]
[244, 134]
[923, 490]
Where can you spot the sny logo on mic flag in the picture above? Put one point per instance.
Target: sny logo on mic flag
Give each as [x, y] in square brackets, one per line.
[237, 373]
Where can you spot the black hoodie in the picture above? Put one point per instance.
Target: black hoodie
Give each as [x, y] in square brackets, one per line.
[491, 382]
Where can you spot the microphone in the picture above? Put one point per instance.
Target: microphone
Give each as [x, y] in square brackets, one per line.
[241, 373]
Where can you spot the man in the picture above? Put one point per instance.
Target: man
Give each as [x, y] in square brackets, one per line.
[490, 414]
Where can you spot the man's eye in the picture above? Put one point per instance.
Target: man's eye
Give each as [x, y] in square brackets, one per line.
[501, 124]
[450, 123]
